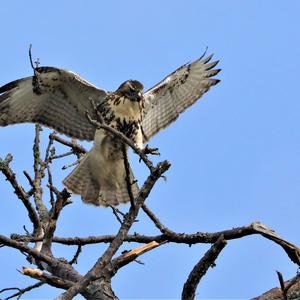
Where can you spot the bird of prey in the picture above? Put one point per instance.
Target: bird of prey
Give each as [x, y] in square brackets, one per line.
[60, 99]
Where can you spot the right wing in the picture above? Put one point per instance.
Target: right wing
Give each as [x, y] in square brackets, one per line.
[53, 97]
[174, 94]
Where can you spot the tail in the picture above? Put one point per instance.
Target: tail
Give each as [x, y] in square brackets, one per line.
[100, 184]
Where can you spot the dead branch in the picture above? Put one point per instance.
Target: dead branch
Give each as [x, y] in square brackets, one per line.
[130, 256]
[23, 248]
[62, 197]
[76, 148]
[76, 255]
[38, 176]
[127, 175]
[180, 238]
[46, 278]
[200, 269]
[98, 268]
[19, 190]
[289, 289]
[21, 291]
[62, 274]
[154, 219]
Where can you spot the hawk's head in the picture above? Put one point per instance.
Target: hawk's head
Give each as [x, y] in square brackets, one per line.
[131, 89]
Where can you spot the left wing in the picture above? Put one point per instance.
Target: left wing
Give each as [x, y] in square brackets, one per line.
[179, 90]
[53, 97]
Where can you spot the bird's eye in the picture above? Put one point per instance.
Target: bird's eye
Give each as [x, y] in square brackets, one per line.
[131, 89]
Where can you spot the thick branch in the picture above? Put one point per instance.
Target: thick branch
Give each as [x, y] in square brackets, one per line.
[182, 238]
[200, 269]
[33, 252]
[46, 278]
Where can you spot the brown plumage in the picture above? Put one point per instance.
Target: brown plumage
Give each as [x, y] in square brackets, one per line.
[60, 99]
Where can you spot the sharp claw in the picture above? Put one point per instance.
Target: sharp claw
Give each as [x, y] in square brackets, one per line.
[152, 151]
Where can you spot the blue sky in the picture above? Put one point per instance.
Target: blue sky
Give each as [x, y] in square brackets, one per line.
[234, 155]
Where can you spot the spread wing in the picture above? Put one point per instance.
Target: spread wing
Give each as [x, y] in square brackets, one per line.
[179, 90]
[53, 97]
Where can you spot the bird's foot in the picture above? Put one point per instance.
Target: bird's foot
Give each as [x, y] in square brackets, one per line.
[152, 151]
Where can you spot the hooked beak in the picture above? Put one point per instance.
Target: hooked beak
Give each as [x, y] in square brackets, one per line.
[140, 96]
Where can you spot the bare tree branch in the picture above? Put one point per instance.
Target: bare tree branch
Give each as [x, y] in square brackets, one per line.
[96, 284]
[62, 197]
[127, 176]
[154, 219]
[46, 278]
[181, 238]
[19, 191]
[33, 252]
[289, 289]
[200, 269]
[76, 255]
[281, 282]
[38, 176]
[21, 291]
[116, 243]
[130, 256]
[76, 148]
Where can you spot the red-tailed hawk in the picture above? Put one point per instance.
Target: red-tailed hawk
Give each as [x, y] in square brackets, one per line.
[60, 99]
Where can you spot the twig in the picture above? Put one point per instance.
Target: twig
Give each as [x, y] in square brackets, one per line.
[19, 191]
[21, 291]
[30, 180]
[116, 213]
[127, 175]
[154, 219]
[75, 147]
[62, 155]
[282, 287]
[71, 164]
[75, 258]
[30, 57]
[50, 182]
[200, 269]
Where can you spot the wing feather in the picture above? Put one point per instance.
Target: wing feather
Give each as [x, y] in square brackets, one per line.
[53, 97]
[179, 90]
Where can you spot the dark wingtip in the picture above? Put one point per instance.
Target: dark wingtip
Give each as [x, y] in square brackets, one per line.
[203, 53]
[9, 86]
[216, 81]
[211, 65]
[208, 58]
[214, 72]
